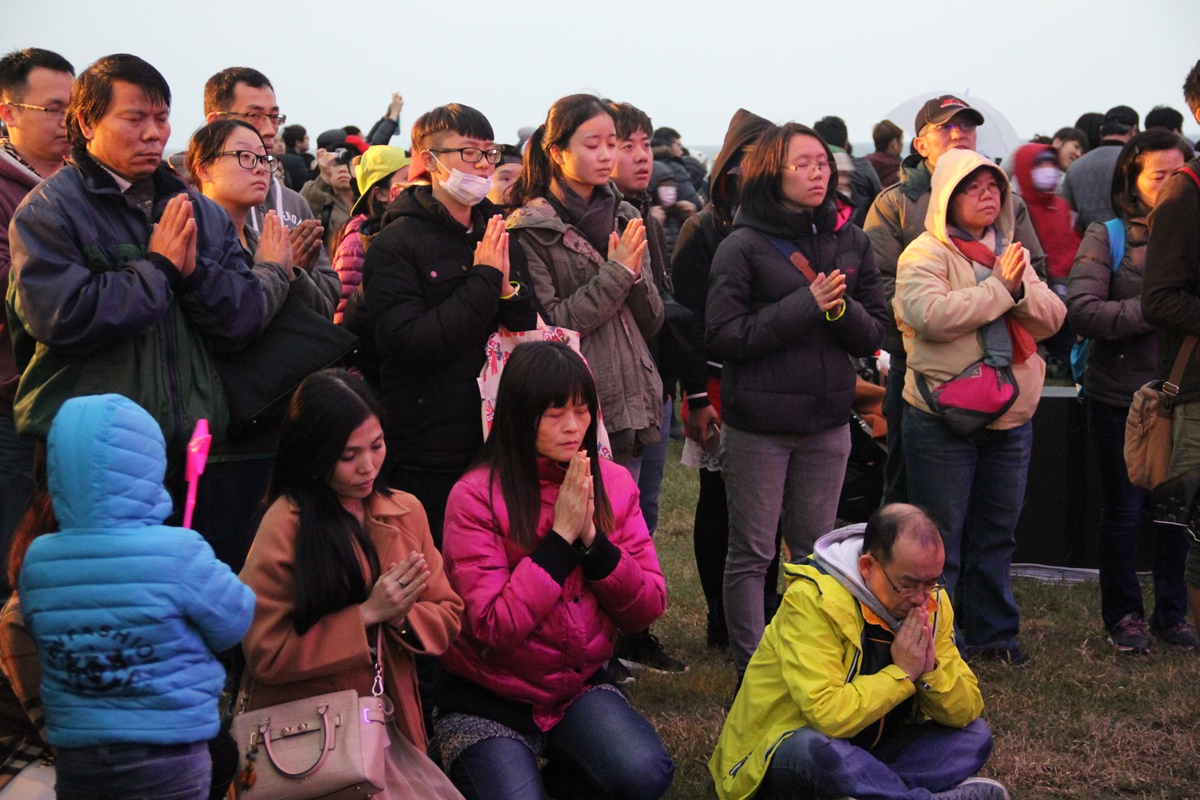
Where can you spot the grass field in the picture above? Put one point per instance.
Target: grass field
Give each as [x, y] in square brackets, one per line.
[1079, 722]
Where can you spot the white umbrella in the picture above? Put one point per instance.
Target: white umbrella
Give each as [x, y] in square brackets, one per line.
[995, 138]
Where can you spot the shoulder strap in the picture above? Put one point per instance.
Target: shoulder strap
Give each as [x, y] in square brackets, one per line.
[1116, 241]
[1171, 387]
[792, 253]
[1190, 171]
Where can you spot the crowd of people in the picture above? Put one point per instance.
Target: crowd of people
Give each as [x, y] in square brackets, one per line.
[367, 521]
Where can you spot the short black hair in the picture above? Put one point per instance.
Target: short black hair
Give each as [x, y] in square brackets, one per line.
[1090, 124]
[664, 136]
[886, 132]
[292, 135]
[16, 66]
[92, 93]
[1119, 120]
[888, 522]
[628, 118]
[453, 117]
[1164, 117]
[219, 89]
[833, 131]
[1071, 135]
[1191, 88]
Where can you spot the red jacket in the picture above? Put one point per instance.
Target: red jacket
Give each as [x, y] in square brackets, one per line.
[1050, 215]
[531, 637]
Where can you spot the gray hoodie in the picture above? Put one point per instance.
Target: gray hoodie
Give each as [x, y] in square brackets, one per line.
[837, 552]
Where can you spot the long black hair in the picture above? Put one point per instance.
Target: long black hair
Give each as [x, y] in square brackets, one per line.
[325, 409]
[538, 376]
[563, 119]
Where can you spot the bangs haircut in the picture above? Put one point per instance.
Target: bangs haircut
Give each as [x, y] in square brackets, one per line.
[219, 89]
[209, 140]
[452, 118]
[1126, 200]
[628, 119]
[92, 93]
[537, 377]
[762, 169]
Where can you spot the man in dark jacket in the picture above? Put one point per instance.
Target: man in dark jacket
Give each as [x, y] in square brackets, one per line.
[35, 87]
[1171, 302]
[1088, 182]
[433, 299]
[896, 218]
[122, 281]
[865, 185]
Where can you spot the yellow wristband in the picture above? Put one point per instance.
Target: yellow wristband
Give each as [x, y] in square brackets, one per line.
[516, 289]
[839, 314]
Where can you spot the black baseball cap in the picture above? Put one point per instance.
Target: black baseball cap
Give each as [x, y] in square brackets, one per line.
[941, 109]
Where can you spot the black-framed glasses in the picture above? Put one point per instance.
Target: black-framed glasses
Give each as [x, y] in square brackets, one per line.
[250, 160]
[255, 116]
[51, 111]
[472, 155]
[927, 589]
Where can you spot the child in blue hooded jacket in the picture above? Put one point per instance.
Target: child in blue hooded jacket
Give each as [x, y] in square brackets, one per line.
[127, 613]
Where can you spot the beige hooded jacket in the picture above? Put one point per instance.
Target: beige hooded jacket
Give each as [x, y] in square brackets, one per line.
[940, 307]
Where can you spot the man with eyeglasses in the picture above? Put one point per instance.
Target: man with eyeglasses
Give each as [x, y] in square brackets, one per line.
[123, 280]
[896, 218]
[857, 687]
[246, 94]
[35, 87]
[438, 279]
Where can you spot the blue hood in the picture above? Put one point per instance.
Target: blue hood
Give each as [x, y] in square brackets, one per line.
[106, 459]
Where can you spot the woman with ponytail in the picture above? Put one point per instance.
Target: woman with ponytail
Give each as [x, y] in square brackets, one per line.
[587, 250]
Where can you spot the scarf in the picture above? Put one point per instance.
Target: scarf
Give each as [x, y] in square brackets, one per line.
[595, 219]
[1005, 340]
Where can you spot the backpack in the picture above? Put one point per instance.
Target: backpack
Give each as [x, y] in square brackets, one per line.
[1116, 249]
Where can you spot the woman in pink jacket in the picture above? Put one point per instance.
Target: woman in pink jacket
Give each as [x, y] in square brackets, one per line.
[546, 544]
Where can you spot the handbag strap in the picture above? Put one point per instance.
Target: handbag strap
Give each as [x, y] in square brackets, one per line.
[792, 253]
[1171, 387]
[377, 684]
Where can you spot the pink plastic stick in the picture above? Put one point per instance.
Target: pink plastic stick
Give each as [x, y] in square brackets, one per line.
[197, 457]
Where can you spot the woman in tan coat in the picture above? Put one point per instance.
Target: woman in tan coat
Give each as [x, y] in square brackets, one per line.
[335, 557]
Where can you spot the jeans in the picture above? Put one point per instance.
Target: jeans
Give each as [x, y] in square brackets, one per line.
[974, 487]
[766, 476]
[911, 765]
[134, 772]
[1121, 505]
[895, 483]
[601, 748]
[654, 461]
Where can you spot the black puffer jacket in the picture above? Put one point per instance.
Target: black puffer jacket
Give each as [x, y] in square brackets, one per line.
[432, 312]
[787, 368]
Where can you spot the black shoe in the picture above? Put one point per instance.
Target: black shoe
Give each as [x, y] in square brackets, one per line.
[636, 650]
[1129, 636]
[717, 636]
[619, 673]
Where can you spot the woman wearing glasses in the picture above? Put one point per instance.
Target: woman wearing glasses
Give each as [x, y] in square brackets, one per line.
[793, 294]
[230, 166]
[966, 296]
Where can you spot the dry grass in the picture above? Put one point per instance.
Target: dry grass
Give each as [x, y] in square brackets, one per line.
[1079, 722]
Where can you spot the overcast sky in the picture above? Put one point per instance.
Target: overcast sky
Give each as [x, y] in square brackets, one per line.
[690, 65]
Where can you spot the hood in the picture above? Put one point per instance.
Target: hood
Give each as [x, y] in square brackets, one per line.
[744, 128]
[541, 213]
[106, 459]
[837, 553]
[1023, 171]
[952, 167]
[16, 171]
[418, 201]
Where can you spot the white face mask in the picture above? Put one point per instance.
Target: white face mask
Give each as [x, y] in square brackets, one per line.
[668, 194]
[1045, 179]
[466, 189]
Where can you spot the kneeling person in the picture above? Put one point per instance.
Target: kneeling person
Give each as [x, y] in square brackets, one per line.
[857, 687]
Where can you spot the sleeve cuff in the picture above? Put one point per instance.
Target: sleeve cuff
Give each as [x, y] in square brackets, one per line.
[601, 558]
[557, 557]
[167, 267]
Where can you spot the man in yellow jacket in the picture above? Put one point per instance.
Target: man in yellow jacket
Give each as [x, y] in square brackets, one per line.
[857, 687]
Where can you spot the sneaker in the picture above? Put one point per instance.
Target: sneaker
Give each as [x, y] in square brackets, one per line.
[1181, 637]
[637, 650]
[1012, 656]
[1129, 636]
[975, 789]
[619, 673]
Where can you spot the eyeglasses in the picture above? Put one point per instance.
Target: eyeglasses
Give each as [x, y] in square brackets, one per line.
[59, 112]
[255, 116]
[808, 166]
[249, 160]
[963, 127]
[978, 189]
[923, 589]
[472, 155]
